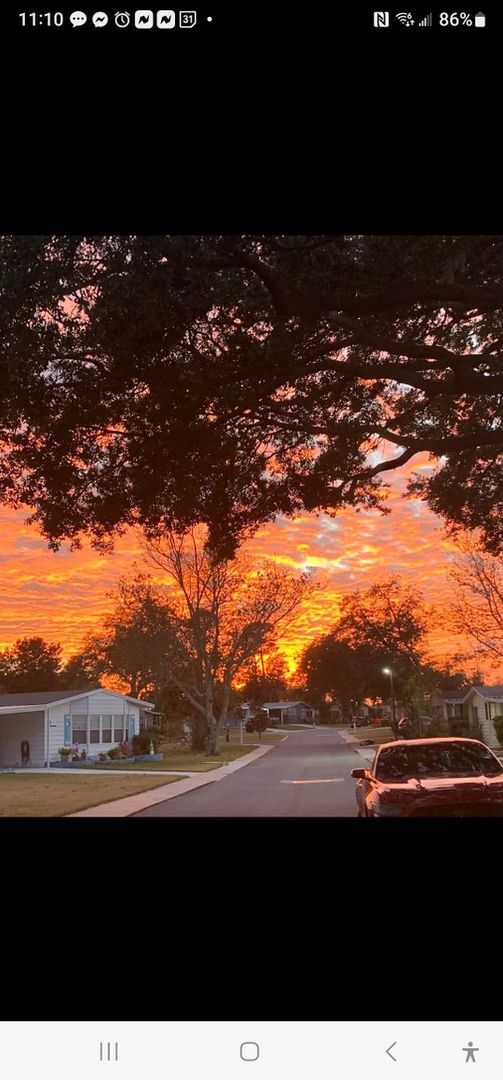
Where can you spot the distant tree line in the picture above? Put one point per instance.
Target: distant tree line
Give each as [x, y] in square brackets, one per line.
[383, 626]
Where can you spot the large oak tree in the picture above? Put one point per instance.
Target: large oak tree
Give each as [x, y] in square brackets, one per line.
[170, 380]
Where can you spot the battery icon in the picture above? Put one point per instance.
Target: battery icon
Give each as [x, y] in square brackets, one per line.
[480, 19]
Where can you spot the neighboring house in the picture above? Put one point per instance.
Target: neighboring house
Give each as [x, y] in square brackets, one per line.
[93, 720]
[448, 707]
[290, 712]
[149, 718]
[478, 706]
[483, 704]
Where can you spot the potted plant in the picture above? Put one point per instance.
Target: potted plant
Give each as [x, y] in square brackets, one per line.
[64, 753]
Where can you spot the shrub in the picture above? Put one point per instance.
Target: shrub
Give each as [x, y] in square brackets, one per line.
[459, 725]
[64, 751]
[498, 727]
[258, 723]
[141, 742]
[103, 757]
[115, 753]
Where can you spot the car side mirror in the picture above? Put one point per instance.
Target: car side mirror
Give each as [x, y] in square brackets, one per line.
[359, 774]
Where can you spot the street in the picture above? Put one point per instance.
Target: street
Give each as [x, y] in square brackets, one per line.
[307, 775]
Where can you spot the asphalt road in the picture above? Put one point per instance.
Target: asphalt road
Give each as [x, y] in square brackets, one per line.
[265, 788]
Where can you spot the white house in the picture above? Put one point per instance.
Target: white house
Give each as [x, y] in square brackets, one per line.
[478, 706]
[94, 720]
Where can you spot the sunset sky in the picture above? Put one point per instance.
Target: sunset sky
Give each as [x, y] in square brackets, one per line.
[62, 596]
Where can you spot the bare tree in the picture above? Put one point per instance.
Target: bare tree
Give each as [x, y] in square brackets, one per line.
[222, 614]
[478, 607]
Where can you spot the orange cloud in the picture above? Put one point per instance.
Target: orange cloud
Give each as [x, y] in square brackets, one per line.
[64, 595]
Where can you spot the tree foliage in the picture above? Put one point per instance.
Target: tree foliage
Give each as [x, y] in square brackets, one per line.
[170, 380]
[133, 647]
[266, 678]
[381, 626]
[222, 613]
[478, 605]
[387, 617]
[31, 665]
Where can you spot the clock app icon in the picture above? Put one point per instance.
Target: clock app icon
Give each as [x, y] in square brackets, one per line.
[122, 18]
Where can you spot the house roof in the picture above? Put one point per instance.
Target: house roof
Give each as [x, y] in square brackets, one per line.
[492, 692]
[46, 697]
[42, 698]
[283, 704]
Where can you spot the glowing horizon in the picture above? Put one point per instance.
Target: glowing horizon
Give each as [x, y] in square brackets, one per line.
[61, 596]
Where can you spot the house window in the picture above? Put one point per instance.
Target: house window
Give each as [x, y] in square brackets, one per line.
[106, 733]
[79, 725]
[118, 729]
[94, 730]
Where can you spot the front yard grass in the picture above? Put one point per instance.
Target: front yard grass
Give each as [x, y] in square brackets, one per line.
[181, 758]
[377, 734]
[54, 796]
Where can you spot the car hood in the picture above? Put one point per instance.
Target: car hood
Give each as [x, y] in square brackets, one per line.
[443, 789]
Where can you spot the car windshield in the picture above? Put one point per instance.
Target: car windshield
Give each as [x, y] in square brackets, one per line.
[448, 759]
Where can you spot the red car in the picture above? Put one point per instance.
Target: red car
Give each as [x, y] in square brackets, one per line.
[450, 777]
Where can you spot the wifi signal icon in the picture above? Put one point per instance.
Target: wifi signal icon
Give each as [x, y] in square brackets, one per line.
[405, 18]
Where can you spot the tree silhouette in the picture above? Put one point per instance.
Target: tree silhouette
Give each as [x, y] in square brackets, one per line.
[171, 380]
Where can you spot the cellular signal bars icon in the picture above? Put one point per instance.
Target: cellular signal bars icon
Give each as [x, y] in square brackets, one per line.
[427, 21]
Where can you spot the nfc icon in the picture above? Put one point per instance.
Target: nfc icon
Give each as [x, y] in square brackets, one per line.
[381, 18]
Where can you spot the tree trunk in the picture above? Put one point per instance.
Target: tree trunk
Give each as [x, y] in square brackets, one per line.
[199, 733]
[212, 739]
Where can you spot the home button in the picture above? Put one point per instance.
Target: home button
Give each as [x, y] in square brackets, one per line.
[249, 1051]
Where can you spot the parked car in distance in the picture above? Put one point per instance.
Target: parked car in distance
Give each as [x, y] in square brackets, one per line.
[451, 777]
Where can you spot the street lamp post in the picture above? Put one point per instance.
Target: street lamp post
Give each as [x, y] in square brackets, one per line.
[388, 671]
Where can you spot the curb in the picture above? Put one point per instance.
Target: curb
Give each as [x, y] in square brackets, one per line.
[366, 752]
[132, 804]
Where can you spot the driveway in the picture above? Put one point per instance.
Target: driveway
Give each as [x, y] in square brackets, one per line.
[307, 775]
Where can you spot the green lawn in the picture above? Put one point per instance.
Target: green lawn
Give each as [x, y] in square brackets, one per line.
[185, 759]
[181, 758]
[36, 795]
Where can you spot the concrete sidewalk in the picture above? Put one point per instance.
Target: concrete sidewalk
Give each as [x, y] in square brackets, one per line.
[133, 803]
[367, 752]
